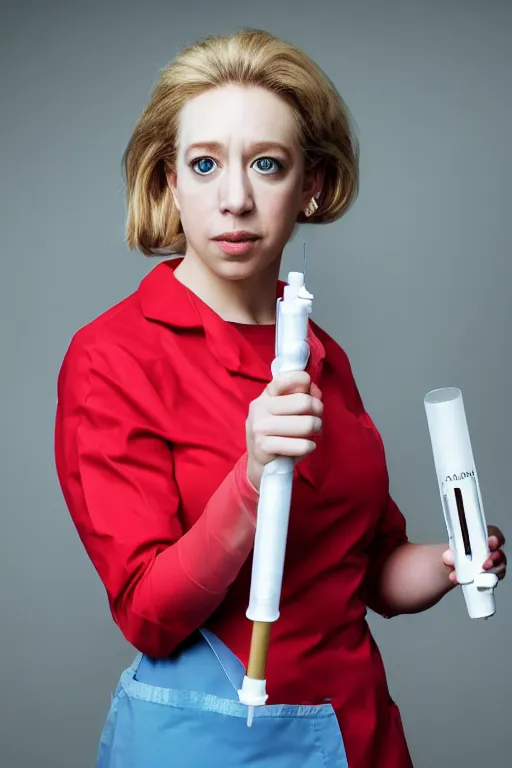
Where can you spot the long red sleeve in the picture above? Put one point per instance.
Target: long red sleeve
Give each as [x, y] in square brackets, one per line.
[116, 468]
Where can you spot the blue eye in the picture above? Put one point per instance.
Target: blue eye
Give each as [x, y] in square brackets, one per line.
[267, 165]
[204, 165]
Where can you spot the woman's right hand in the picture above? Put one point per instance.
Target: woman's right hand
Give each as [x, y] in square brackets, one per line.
[282, 421]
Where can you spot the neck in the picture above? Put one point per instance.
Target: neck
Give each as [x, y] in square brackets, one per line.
[246, 299]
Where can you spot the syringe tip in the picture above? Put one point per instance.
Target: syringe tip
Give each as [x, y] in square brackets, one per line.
[250, 716]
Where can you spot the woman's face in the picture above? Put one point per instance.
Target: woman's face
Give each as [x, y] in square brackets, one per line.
[239, 174]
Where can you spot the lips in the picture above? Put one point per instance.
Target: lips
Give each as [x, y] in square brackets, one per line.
[236, 237]
[236, 243]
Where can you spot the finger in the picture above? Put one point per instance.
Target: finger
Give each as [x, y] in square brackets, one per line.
[299, 403]
[448, 558]
[495, 558]
[453, 578]
[289, 382]
[287, 446]
[315, 391]
[289, 426]
[499, 570]
[449, 561]
[496, 535]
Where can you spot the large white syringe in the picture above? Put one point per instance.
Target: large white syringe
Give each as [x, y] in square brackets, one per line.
[461, 498]
[292, 354]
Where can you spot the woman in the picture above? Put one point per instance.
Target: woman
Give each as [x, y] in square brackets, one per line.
[167, 416]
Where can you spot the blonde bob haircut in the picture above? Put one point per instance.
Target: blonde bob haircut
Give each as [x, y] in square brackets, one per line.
[249, 57]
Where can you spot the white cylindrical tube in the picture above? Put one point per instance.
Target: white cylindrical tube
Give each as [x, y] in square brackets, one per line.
[270, 540]
[461, 498]
[292, 353]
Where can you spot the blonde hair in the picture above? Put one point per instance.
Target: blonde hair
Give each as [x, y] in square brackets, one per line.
[248, 57]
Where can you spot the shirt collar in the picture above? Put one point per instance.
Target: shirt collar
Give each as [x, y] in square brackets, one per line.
[166, 300]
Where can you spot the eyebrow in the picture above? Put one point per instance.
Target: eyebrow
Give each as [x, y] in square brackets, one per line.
[256, 148]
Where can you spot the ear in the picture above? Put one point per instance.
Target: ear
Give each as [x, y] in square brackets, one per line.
[312, 186]
[172, 184]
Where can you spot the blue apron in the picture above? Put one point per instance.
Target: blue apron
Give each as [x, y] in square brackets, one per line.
[183, 712]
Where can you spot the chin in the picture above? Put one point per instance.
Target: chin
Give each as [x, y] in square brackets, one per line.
[236, 268]
[240, 267]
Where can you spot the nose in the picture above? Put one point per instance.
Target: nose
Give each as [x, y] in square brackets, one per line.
[236, 195]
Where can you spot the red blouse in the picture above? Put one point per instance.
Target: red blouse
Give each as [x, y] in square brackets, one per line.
[150, 451]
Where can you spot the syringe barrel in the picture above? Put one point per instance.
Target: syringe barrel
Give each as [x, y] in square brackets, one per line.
[461, 497]
[292, 354]
[270, 540]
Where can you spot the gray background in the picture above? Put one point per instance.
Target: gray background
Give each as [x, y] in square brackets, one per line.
[414, 283]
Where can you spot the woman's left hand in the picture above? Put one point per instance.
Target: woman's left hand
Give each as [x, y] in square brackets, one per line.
[495, 563]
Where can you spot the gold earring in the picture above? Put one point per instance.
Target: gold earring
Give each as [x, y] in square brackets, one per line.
[311, 207]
